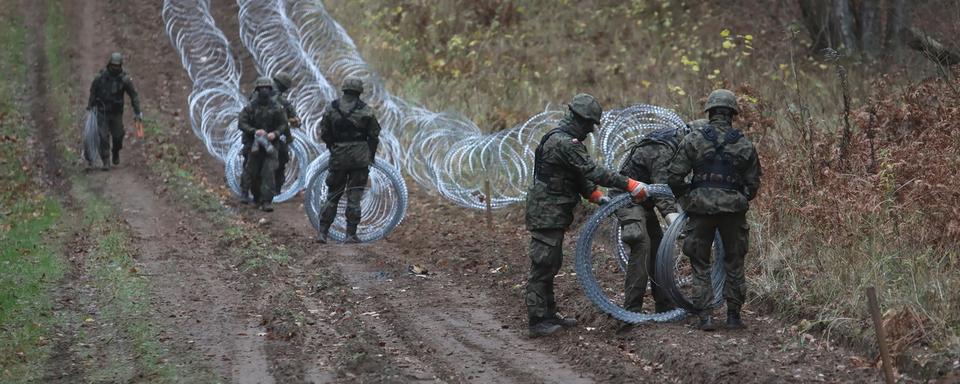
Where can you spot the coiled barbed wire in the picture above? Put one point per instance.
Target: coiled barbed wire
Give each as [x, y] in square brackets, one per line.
[384, 203]
[584, 264]
[293, 177]
[91, 138]
[216, 100]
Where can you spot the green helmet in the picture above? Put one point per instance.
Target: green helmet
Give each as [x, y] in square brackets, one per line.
[283, 81]
[353, 84]
[721, 98]
[587, 107]
[263, 81]
[116, 58]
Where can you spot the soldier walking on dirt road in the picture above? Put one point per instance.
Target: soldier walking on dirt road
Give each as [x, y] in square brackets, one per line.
[106, 98]
[352, 133]
[265, 121]
[639, 227]
[726, 176]
[563, 172]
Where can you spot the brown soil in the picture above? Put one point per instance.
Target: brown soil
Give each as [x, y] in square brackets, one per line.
[352, 313]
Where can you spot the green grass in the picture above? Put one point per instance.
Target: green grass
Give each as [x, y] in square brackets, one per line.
[30, 261]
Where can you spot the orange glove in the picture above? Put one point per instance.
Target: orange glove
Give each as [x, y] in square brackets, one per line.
[596, 196]
[637, 189]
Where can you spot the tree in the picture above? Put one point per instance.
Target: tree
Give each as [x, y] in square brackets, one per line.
[855, 25]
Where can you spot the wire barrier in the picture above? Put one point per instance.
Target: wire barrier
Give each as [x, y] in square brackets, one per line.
[442, 151]
[91, 138]
[594, 253]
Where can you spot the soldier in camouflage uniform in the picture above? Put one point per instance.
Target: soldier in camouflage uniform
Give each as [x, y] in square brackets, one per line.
[106, 96]
[265, 121]
[283, 82]
[640, 229]
[352, 133]
[726, 176]
[563, 173]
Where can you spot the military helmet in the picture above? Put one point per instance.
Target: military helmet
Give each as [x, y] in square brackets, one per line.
[116, 58]
[263, 81]
[283, 80]
[721, 98]
[353, 84]
[587, 107]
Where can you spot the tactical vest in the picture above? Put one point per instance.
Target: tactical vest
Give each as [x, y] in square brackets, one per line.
[666, 136]
[109, 92]
[541, 170]
[344, 129]
[718, 170]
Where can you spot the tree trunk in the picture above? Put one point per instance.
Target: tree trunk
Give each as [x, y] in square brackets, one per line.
[816, 17]
[896, 20]
[869, 23]
[845, 25]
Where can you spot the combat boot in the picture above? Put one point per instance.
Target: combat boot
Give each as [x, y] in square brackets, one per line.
[563, 322]
[266, 207]
[116, 158]
[322, 234]
[351, 235]
[661, 307]
[543, 328]
[733, 320]
[706, 322]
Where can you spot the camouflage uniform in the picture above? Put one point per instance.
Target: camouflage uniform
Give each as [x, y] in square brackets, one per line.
[726, 176]
[563, 173]
[352, 134]
[106, 95]
[282, 82]
[259, 175]
[640, 229]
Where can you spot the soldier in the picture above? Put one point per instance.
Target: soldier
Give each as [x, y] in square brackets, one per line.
[106, 95]
[640, 229]
[726, 176]
[563, 172]
[265, 121]
[283, 82]
[351, 132]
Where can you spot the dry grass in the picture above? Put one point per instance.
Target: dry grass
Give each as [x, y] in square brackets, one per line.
[888, 216]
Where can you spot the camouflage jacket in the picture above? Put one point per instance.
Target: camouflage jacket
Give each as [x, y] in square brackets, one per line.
[270, 118]
[351, 136]
[722, 184]
[564, 172]
[106, 93]
[647, 163]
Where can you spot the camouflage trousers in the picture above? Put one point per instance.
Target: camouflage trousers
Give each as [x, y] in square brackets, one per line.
[643, 236]
[283, 157]
[735, 233]
[259, 176]
[351, 182]
[111, 132]
[546, 258]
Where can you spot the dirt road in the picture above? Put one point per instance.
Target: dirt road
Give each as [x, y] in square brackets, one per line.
[352, 313]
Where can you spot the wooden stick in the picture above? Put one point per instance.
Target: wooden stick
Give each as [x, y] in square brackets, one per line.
[487, 191]
[874, 307]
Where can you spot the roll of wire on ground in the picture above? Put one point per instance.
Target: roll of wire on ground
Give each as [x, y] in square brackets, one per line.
[383, 206]
[666, 260]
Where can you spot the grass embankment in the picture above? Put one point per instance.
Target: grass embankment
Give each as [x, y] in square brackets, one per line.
[832, 218]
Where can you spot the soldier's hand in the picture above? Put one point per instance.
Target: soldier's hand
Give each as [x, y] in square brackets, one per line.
[597, 197]
[637, 189]
[260, 132]
[271, 136]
